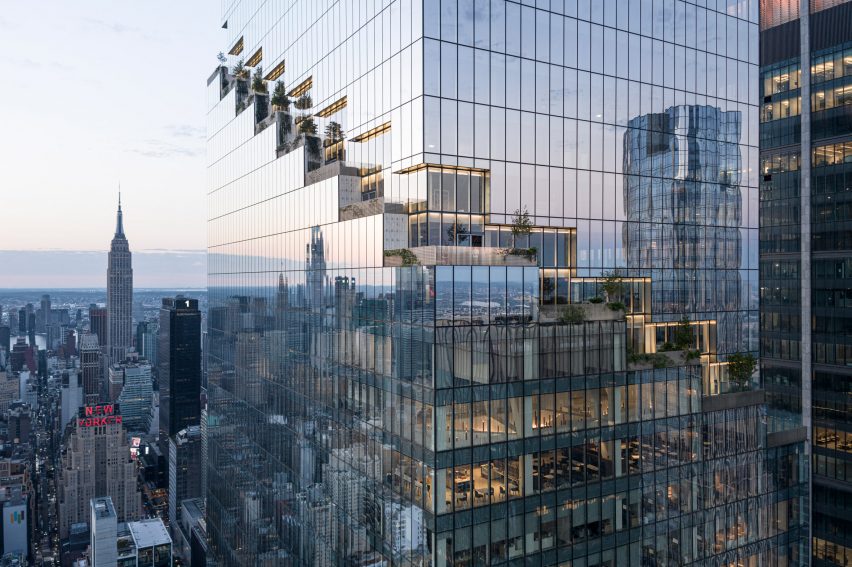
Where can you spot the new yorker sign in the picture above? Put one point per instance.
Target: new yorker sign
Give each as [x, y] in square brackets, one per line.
[94, 416]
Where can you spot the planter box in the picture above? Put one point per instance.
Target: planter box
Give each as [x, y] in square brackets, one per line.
[601, 312]
[362, 209]
[328, 171]
[469, 256]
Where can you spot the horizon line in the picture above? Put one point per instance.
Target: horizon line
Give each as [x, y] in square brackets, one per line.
[141, 250]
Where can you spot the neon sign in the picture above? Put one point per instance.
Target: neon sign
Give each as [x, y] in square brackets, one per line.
[94, 416]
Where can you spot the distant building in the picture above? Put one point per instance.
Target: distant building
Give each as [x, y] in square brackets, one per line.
[146, 340]
[119, 293]
[70, 347]
[13, 321]
[43, 314]
[179, 372]
[18, 356]
[6, 338]
[190, 522]
[144, 544]
[71, 395]
[10, 389]
[16, 520]
[133, 389]
[91, 366]
[20, 423]
[98, 322]
[103, 527]
[96, 462]
[185, 465]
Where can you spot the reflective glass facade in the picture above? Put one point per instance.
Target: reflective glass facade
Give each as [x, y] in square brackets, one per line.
[406, 369]
[806, 320]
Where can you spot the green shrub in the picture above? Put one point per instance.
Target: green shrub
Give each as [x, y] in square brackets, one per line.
[596, 300]
[683, 335]
[572, 314]
[408, 257]
[741, 366]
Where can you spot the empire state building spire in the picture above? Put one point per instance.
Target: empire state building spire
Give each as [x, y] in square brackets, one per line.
[119, 222]
[119, 293]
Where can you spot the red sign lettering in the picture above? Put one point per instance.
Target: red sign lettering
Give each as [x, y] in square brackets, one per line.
[95, 416]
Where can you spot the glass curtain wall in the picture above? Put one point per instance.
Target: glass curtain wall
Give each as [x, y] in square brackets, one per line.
[475, 271]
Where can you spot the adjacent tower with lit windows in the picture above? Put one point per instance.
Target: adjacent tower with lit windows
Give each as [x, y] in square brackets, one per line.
[806, 245]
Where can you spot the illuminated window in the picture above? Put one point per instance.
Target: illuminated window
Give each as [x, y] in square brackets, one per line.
[302, 87]
[238, 48]
[276, 72]
[255, 59]
[373, 133]
[334, 107]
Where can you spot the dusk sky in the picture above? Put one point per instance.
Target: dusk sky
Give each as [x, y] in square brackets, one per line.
[98, 93]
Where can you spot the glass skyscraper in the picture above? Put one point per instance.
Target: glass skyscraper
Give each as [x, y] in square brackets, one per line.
[806, 246]
[478, 274]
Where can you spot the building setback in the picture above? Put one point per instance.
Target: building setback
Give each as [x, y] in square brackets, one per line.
[477, 274]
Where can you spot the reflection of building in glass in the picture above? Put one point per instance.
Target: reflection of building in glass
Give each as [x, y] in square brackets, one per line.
[444, 384]
[683, 203]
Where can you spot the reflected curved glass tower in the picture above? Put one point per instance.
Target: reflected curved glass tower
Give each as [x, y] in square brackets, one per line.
[682, 195]
[452, 247]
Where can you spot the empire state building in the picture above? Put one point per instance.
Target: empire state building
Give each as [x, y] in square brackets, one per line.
[119, 294]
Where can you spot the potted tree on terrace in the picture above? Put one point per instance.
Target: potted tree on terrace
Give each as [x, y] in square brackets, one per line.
[260, 92]
[333, 142]
[740, 368]
[280, 100]
[613, 288]
[241, 75]
[521, 228]
[308, 129]
[281, 104]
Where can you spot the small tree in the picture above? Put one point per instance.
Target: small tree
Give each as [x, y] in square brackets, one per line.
[304, 102]
[613, 285]
[741, 366]
[683, 335]
[257, 82]
[240, 70]
[307, 126]
[521, 225]
[279, 96]
[334, 133]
